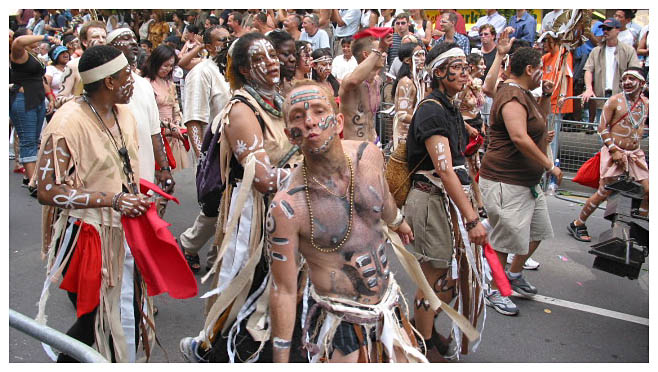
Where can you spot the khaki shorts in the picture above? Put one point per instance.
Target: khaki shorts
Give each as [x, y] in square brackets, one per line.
[426, 214]
[516, 217]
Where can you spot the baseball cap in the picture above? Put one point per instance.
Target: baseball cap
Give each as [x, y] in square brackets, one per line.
[610, 22]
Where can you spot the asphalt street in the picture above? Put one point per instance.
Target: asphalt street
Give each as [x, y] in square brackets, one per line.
[585, 315]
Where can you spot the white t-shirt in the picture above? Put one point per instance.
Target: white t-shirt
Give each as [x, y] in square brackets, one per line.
[319, 40]
[206, 92]
[56, 83]
[610, 66]
[340, 67]
[352, 18]
[626, 37]
[145, 110]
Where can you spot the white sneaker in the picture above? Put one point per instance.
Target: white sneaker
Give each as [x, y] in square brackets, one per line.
[529, 264]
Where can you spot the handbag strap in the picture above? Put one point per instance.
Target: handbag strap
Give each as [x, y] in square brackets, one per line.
[426, 155]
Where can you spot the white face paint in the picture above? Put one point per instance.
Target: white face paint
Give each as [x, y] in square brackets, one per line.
[264, 66]
[419, 59]
[126, 89]
[96, 36]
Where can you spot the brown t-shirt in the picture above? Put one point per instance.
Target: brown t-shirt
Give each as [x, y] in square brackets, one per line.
[503, 162]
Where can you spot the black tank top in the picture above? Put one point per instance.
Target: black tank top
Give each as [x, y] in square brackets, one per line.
[29, 75]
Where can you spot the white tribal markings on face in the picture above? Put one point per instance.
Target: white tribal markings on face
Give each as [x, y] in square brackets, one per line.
[308, 113]
[258, 71]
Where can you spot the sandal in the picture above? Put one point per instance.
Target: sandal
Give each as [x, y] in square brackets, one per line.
[579, 232]
[19, 170]
[193, 261]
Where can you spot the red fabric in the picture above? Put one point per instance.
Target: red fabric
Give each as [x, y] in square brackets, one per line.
[473, 145]
[497, 271]
[186, 141]
[376, 32]
[589, 173]
[158, 257]
[170, 155]
[83, 276]
[157, 254]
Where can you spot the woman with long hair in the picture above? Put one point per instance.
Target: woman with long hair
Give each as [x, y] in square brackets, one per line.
[253, 168]
[27, 95]
[158, 70]
[321, 62]
[408, 88]
[303, 67]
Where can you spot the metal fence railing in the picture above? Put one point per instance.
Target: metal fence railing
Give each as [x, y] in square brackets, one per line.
[54, 338]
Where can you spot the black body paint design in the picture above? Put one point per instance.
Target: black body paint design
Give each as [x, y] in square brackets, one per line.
[287, 209]
[354, 277]
[279, 241]
[360, 150]
[296, 190]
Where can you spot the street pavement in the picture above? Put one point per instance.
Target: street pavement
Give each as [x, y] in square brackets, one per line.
[585, 315]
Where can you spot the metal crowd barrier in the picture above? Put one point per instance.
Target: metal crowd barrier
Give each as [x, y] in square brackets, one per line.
[55, 338]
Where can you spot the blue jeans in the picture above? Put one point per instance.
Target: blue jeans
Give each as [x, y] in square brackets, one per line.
[28, 126]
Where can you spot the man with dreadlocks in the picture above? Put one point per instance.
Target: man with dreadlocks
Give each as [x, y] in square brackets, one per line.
[622, 125]
[88, 169]
[439, 206]
[206, 94]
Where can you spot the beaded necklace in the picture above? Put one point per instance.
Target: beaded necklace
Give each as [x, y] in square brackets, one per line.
[278, 101]
[310, 210]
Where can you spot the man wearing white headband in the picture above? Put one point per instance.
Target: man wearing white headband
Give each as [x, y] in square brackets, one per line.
[623, 119]
[359, 91]
[92, 33]
[437, 203]
[87, 181]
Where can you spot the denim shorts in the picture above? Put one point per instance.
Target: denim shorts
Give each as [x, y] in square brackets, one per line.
[28, 125]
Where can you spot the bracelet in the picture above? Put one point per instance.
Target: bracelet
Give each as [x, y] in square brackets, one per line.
[45, 37]
[50, 94]
[471, 224]
[167, 168]
[115, 200]
[546, 94]
[552, 167]
[376, 51]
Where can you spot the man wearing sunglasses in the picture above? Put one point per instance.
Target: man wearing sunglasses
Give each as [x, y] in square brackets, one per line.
[401, 29]
[606, 63]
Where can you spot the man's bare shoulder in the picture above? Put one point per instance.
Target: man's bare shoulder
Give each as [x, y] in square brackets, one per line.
[364, 152]
[288, 207]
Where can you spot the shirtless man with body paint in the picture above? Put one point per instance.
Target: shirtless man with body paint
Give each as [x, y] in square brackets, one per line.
[359, 91]
[621, 132]
[330, 211]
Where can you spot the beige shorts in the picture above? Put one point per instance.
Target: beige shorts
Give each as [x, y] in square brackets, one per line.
[426, 214]
[516, 217]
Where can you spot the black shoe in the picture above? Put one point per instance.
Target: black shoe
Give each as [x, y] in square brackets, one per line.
[26, 181]
[579, 232]
[32, 191]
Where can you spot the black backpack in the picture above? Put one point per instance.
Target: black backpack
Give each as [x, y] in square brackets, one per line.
[209, 183]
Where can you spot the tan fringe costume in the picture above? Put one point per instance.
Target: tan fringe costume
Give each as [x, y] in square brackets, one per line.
[95, 165]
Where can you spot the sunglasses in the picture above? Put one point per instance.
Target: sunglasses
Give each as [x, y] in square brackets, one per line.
[400, 23]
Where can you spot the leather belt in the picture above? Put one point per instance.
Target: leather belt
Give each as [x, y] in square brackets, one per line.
[427, 187]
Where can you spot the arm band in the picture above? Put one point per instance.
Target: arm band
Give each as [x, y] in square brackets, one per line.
[280, 343]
